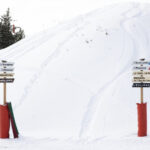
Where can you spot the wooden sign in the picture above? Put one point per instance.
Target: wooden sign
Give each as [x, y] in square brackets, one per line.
[6, 80]
[141, 73]
[141, 78]
[6, 69]
[138, 81]
[6, 74]
[141, 85]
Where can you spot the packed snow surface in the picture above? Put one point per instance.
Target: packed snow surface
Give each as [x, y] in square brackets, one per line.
[73, 83]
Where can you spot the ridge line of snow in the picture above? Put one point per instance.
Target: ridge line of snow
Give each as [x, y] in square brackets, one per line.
[11, 51]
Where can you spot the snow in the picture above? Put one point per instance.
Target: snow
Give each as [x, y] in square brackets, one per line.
[73, 83]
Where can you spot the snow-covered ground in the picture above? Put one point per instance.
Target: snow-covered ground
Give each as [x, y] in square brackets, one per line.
[73, 87]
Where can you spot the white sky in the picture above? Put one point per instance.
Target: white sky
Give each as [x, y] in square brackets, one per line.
[36, 15]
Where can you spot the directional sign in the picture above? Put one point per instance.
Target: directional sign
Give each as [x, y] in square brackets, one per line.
[6, 64]
[6, 69]
[141, 62]
[141, 68]
[141, 78]
[141, 85]
[138, 80]
[6, 80]
[145, 73]
[6, 74]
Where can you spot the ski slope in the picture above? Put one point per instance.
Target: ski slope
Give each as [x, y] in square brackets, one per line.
[73, 86]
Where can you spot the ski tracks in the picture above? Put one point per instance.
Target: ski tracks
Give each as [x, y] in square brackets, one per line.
[49, 58]
[96, 100]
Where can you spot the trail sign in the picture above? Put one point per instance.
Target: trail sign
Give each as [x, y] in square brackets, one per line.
[6, 69]
[6, 74]
[141, 78]
[141, 62]
[6, 64]
[145, 73]
[141, 68]
[6, 80]
[141, 75]
[141, 85]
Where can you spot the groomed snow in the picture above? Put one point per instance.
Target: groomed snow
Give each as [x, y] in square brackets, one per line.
[73, 86]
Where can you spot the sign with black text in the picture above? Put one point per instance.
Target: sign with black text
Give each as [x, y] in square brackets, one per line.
[6, 74]
[141, 72]
[6, 69]
[6, 64]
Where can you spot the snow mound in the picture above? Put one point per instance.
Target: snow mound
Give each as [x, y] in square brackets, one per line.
[75, 80]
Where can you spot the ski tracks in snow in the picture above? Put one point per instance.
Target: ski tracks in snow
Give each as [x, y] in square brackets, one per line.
[136, 31]
[96, 100]
[49, 58]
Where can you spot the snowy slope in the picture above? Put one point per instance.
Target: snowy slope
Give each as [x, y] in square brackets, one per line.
[74, 81]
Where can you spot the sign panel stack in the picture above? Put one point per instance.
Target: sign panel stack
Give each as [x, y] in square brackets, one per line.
[6, 111]
[141, 79]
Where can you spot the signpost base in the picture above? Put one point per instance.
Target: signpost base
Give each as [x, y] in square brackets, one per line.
[142, 119]
[4, 121]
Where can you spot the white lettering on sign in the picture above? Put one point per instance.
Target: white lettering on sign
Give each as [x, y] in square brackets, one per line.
[6, 80]
[141, 85]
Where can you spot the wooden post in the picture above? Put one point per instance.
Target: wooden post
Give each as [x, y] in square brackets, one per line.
[141, 95]
[4, 94]
[142, 59]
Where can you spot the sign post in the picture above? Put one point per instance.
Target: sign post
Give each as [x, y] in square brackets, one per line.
[6, 76]
[141, 95]
[141, 79]
[4, 87]
[6, 70]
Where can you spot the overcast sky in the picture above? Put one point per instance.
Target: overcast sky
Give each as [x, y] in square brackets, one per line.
[36, 15]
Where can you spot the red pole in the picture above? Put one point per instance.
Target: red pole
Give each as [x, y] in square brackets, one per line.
[142, 119]
[4, 121]
[13, 28]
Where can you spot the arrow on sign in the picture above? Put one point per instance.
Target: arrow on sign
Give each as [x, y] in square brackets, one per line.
[6, 80]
